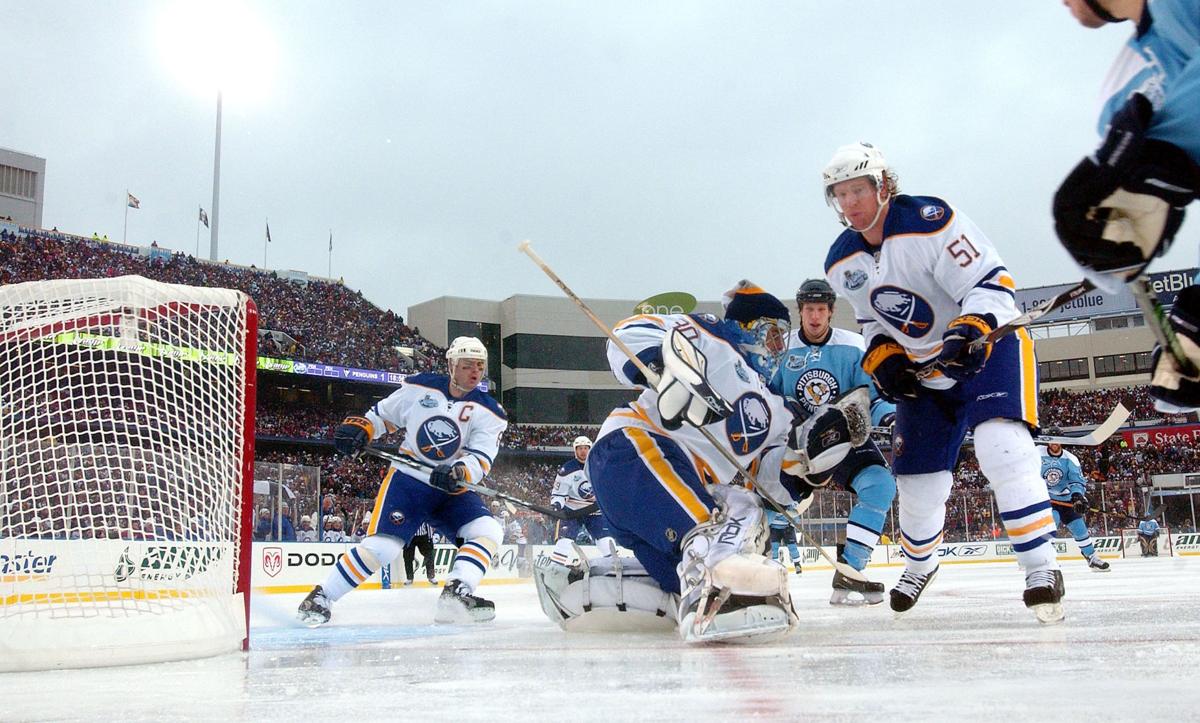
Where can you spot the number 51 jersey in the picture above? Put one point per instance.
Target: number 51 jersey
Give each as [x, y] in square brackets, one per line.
[934, 265]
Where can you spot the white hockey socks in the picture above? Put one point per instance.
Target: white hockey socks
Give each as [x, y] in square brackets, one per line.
[1010, 462]
[475, 555]
[922, 517]
[359, 563]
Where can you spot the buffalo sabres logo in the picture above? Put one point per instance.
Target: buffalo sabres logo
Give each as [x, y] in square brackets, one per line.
[585, 491]
[932, 213]
[904, 310]
[816, 387]
[438, 438]
[397, 517]
[708, 318]
[747, 427]
[854, 279]
[1053, 476]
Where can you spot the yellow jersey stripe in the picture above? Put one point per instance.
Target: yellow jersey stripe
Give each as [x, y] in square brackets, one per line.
[662, 470]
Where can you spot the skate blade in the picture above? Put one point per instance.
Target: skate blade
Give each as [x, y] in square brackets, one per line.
[851, 600]
[459, 615]
[311, 621]
[1102, 569]
[1049, 613]
[765, 634]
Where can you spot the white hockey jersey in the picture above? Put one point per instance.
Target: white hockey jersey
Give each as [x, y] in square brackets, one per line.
[756, 432]
[440, 428]
[572, 490]
[934, 265]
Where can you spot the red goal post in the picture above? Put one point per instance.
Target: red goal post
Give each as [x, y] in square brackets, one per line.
[126, 471]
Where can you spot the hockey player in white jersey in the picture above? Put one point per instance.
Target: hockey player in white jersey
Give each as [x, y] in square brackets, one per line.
[925, 283]
[1121, 206]
[671, 497]
[452, 432]
[1068, 498]
[821, 364]
[572, 491]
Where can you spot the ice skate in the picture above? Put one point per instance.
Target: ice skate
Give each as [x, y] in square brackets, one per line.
[908, 589]
[315, 609]
[407, 583]
[1098, 565]
[456, 604]
[799, 569]
[850, 592]
[1044, 592]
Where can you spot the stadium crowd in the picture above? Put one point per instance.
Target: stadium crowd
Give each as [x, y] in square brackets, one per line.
[330, 322]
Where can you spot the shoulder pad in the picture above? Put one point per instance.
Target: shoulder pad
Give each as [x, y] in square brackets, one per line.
[847, 244]
[487, 400]
[440, 382]
[845, 337]
[917, 215]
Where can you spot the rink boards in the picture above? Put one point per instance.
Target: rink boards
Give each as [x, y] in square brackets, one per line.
[292, 567]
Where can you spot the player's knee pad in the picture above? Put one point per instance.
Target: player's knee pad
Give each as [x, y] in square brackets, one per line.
[1006, 452]
[486, 527]
[610, 594]
[923, 495]
[379, 550]
[875, 488]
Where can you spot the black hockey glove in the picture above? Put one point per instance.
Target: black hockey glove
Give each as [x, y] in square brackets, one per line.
[1169, 384]
[963, 353]
[352, 435]
[894, 374]
[1121, 207]
[1079, 503]
[448, 478]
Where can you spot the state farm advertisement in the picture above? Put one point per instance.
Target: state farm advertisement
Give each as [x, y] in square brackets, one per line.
[1162, 436]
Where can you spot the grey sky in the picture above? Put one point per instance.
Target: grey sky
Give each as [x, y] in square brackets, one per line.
[642, 146]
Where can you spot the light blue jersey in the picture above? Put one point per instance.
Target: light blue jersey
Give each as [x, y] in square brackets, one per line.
[1162, 62]
[777, 520]
[1062, 474]
[1149, 528]
[816, 374]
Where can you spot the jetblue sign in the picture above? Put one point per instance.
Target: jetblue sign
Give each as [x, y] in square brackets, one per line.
[1166, 285]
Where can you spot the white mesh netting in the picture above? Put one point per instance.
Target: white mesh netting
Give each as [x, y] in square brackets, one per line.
[123, 410]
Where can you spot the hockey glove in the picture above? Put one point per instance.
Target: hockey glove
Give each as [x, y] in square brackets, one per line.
[894, 374]
[824, 440]
[1079, 503]
[448, 478]
[965, 348]
[352, 435]
[684, 394]
[1121, 207]
[888, 420]
[1173, 391]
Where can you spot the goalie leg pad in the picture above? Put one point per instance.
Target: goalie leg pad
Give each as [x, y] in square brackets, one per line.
[611, 594]
[729, 591]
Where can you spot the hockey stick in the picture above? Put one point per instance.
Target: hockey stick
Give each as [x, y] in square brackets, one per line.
[1160, 326]
[652, 378]
[1055, 302]
[485, 491]
[1099, 435]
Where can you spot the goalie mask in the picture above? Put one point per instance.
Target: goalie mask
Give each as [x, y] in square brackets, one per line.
[764, 324]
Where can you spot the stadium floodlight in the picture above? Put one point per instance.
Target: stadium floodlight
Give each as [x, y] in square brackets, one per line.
[222, 47]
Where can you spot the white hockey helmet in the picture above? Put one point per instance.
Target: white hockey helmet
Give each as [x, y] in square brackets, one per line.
[581, 441]
[466, 347]
[857, 160]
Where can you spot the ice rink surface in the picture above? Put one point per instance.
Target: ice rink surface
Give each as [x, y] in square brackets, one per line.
[1128, 650]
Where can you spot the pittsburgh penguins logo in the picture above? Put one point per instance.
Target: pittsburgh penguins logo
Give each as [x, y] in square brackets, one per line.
[1054, 475]
[438, 438]
[747, 427]
[903, 309]
[816, 387]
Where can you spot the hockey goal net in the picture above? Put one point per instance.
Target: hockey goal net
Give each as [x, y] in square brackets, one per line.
[126, 471]
[1132, 546]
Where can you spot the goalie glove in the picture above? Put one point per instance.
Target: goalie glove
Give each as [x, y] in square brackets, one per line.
[448, 478]
[964, 346]
[824, 440]
[683, 390]
[1120, 208]
[352, 435]
[1174, 391]
[1079, 503]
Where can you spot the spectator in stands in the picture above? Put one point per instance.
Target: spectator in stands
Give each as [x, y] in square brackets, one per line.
[306, 533]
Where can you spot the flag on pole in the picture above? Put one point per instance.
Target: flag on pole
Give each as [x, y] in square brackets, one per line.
[132, 201]
[331, 240]
[203, 217]
[268, 233]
